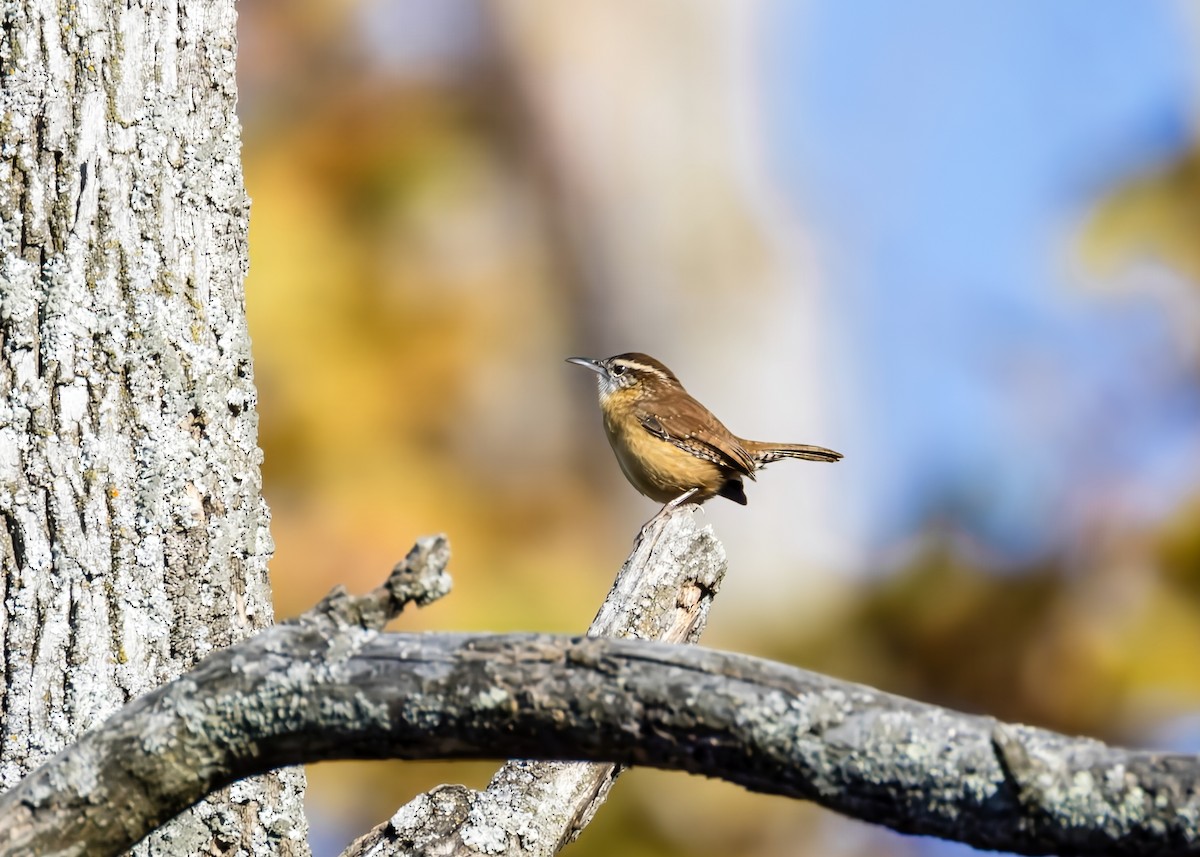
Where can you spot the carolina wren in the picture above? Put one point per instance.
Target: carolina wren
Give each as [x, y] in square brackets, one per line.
[670, 447]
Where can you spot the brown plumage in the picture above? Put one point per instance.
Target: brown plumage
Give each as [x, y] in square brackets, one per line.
[670, 447]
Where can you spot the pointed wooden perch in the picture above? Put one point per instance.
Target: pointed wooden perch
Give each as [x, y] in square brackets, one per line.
[331, 685]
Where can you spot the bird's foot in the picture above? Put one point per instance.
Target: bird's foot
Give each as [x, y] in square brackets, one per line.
[663, 513]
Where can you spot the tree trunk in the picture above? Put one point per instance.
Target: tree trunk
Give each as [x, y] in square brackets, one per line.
[134, 535]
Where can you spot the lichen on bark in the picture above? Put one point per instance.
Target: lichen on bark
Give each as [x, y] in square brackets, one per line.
[135, 538]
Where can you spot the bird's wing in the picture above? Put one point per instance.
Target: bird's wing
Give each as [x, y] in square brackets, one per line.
[691, 427]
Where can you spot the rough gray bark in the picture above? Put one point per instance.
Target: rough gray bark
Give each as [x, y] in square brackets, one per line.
[662, 592]
[134, 537]
[331, 685]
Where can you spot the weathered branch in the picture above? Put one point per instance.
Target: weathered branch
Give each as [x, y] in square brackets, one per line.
[167, 749]
[662, 592]
[327, 687]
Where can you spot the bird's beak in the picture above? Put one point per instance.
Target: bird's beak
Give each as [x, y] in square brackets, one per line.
[595, 365]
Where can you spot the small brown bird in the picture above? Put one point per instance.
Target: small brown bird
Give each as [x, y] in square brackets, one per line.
[670, 447]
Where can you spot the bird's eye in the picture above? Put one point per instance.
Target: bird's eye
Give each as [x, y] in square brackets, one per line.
[618, 370]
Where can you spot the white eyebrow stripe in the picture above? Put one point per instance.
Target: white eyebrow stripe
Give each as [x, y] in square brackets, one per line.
[642, 367]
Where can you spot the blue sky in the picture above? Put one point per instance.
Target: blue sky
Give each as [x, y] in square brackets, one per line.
[943, 152]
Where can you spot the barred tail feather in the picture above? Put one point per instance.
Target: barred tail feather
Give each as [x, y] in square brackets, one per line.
[765, 453]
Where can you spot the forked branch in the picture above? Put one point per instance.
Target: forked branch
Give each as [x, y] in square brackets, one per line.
[332, 686]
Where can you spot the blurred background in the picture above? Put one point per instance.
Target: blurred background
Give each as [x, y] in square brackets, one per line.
[959, 243]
